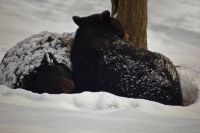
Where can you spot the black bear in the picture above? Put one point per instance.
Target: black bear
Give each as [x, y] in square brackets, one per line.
[50, 77]
[103, 61]
[40, 64]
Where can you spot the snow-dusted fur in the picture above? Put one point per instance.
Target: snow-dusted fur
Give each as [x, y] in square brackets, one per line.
[102, 61]
[22, 62]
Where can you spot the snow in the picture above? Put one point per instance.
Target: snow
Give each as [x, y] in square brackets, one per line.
[88, 112]
[173, 30]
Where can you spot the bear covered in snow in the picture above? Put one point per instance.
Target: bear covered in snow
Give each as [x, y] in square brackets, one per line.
[103, 61]
[39, 64]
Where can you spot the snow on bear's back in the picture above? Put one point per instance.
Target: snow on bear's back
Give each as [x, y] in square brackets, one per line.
[27, 54]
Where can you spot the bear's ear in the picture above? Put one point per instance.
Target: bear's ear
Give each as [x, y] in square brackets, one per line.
[77, 20]
[45, 60]
[49, 59]
[105, 16]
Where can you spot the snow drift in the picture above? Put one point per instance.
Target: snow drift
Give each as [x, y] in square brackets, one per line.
[24, 111]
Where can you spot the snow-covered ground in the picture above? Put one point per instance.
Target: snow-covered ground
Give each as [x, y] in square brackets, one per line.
[174, 30]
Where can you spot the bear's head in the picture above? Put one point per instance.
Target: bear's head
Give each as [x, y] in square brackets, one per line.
[50, 77]
[97, 26]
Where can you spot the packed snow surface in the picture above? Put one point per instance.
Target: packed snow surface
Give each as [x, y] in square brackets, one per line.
[91, 112]
[174, 30]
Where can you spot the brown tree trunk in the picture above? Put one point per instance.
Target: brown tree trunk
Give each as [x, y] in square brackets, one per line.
[133, 16]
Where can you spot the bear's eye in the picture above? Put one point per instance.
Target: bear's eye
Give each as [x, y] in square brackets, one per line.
[120, 34]
[117, 28]
[118, 31]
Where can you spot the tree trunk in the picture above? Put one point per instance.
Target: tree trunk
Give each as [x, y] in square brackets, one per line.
[133, 16]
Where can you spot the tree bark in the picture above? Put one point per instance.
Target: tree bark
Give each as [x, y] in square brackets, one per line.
[133, 16]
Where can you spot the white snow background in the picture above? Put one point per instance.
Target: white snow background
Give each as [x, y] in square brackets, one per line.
[174, 30]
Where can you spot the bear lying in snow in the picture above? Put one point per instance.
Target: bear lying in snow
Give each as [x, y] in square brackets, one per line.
[40, 64]
[50, 77]
[102, 61]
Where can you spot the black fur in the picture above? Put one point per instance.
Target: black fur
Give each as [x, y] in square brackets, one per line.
[102, 61]
[50, 77]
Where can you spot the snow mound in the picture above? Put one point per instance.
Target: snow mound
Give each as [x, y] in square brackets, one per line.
[99, 102]
[27, 54]
[86, 101]
[190, 89]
